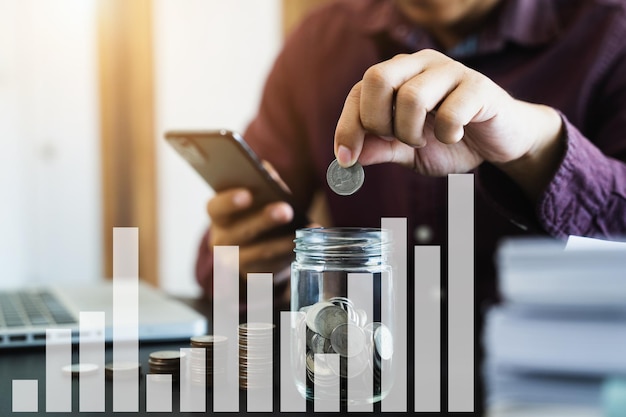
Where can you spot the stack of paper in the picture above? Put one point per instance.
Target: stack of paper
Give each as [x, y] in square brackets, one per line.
[562, 327]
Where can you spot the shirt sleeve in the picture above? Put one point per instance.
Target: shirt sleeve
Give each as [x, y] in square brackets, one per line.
[587, 194]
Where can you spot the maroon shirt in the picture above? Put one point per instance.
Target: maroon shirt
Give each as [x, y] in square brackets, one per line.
[568, 54]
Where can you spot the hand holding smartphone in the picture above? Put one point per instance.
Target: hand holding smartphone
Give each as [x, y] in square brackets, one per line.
[225, 161]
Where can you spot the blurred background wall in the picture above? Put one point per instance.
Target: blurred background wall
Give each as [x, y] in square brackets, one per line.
[87, 88]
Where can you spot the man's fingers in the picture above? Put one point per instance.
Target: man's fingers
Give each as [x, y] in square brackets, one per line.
[380, 84]
[227, 204]
[349, 133]
[391, 101]
[419, 96]
[248, 228]
[260, 256]
[465, 104]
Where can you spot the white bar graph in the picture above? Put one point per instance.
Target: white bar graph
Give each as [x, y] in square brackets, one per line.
[427, 304]
[193, 381]
[360, 374]
[326, 384]
[58, 384]
[125, 315]
[396, 399]
[91, 350]
[25, 397]
[292, 361]
[225, 323]
[159, 393]
[461, 293]
[260, 306]
[326, 369]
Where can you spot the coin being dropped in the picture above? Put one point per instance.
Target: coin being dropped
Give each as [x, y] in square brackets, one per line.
[345, 181]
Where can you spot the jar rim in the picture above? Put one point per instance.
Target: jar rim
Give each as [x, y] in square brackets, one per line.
[338, 230]
[342, 241]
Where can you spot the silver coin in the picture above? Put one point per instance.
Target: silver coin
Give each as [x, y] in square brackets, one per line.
[345, 181]
[347, 339]
[166, 356]
[312, 315]
[76, 369]
[347, 306]
[361, 317]
[328, 319]
[383, 341]
[320, 344]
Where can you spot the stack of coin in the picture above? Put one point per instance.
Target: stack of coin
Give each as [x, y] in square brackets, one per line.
[209, 364]
[255, 354]
[166, 362]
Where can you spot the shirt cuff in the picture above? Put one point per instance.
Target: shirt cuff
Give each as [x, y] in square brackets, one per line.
[579, 189]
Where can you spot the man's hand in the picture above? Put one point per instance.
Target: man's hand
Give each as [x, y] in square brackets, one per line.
[436, 116]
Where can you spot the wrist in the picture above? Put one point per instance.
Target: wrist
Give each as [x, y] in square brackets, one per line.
[534, 170]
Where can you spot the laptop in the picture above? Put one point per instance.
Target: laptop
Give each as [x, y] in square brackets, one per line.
[26, 313]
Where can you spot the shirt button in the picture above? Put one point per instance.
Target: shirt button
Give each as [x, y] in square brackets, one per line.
[423, 234]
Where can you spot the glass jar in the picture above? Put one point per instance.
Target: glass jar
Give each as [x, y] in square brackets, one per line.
[341, 284]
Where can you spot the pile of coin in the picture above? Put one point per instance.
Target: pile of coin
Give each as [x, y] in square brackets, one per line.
[255, 354]
[210, 363]
[164, 362]
[336, 326]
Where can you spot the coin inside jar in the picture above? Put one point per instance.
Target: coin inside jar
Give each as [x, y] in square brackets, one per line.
[328, 318]
[383, 341]
[345, 181]
[347, 339]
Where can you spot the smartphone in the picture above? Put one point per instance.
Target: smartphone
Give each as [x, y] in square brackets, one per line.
[224, 160]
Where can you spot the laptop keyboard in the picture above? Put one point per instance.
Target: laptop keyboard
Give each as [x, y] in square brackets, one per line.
[32, 308]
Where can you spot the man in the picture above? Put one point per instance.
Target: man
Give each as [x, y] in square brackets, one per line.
[531, 95]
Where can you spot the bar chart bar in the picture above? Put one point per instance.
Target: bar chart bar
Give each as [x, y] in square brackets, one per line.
[225, 323]
[292, 361]
[396, 399]
[25, 397]
[58, 385]
[326, 383]
[159, 393]
[91, 350]
[461, 293]
[427, 328]
[193, 380]
[260, 342]
[360, 374]
[125, 316]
